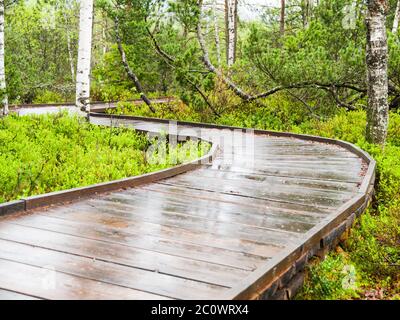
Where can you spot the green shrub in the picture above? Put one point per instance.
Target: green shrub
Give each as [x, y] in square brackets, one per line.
[47, 96]
[40, 154]
[333, 278]
[172, 110]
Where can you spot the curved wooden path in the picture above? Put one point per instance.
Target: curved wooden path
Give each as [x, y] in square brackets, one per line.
[239, 224]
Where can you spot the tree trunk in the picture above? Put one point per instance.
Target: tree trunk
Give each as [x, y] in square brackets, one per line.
[84, 55]
[216, 30]
[377, 65]
[69, 48]
[4, 102]
[306, 12]
[396, 18]
[129, 71]
[282, 19]
[231, 30]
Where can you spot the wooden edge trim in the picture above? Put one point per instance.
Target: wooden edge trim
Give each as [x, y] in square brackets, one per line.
[12, 207]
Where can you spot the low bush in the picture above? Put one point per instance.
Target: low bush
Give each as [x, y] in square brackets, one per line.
[40, 154]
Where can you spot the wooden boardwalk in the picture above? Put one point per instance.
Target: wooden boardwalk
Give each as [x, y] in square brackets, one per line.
[239, 227]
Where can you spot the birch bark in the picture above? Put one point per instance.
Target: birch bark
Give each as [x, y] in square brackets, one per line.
[69, 48]
[216, 30]
[395, 27]
[377, 77]
[84, 55]
[231, 30]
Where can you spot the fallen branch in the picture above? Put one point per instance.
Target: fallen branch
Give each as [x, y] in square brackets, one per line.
[331, 88]
[207, 62]
[170, 60]
[309, 108]
[129, 71]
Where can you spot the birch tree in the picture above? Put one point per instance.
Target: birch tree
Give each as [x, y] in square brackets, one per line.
[377, 76]
[4, 102]
[216, 30]
[395, 27]
[84, 55]
[231, 30]
[69, 48]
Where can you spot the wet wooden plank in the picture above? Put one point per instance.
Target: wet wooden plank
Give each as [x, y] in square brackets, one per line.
[259, 158]
[317, 198]
[119, 275]
[326, 175]
[246, 232]
[121, 235]
[265, 160]
[207, 201]
[217, 210]
[301, 155]
[320, 149]
[211, 214]
[202, 215]
[268, 187]
[11, 295]
[270, 163]
[46, 283]
[319, 159]
[175, 233]
[119, 254]
[300, 209]
[261, 180]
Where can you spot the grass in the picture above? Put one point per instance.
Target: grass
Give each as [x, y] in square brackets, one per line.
[40, 154]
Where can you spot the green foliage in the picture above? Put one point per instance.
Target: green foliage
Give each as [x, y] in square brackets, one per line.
[47, 96]
[332, 279]
[39, 154]
[171, 110]
[36, 49]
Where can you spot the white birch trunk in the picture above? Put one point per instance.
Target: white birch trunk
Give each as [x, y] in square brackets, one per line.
[231, 31]
[396, 18]
[4, 101]
[216, 30]
[377, 65]
[84, 55]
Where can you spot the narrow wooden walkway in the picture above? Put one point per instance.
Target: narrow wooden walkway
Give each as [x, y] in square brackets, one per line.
[233, 228]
